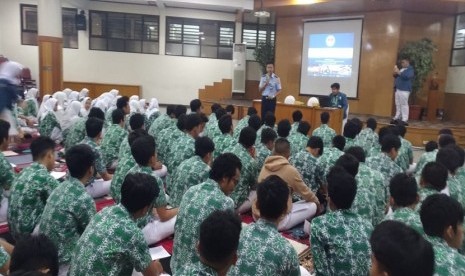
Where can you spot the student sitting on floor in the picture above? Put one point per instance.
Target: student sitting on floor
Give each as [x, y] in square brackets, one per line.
[445, 138]
[450, 158]
[384, 161]
[433, 180]
[268, 122]
[265, 148]
[305, 162]
[296, 119]
[111, 141]
[262, 249]
[341, 250]
[326, 133]
[162, 122]
[405, 156]
[77, 132]
[70, 208]
[284, 128]
[278, 164]
[154, 230]
[244, 122]
[7, 174]
[299, 138]
[171, 133]
[442, 219]
[31, 189]
[329, 157]
[97, 187]
[49, 124]
[112, 244]
[399, 250]
[368, 138]
[225, 140]
[217, 247]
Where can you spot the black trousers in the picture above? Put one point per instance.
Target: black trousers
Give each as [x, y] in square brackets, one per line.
[268, 106]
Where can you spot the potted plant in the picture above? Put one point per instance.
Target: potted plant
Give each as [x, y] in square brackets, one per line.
[420, 54]
[263, 54]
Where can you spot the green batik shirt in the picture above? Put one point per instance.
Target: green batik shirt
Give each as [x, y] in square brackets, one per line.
[298, 142]
[372, 201]
[108, 117]
[264, 251]
[124, 149]
[163, 141]
[28, 196]
[197, 269]
[375, 150]
[258, 140]
[76, 133]
[162, 122]
[456, 189]
[384, 165]
[125, 163]
[294, 127]
[326, 134]
[47, 124]
[325, 162]
[4, 256]
[196, 205]
[99, 164]
[111, 245]
[190, 172]
[183, 148]
[404, 155]
[149, 120]
[425, 158]
[366, 139]
[447, 260]
[222, 142]
[408, 216]
[249, 174]
[350, 143]
[423, 193]
[340, 244]
[7, 175]
[31, 109]
[161, 200]
[305, 163]
[211, 128]
[111, 143]
[261, 153]
[67, 213]
[243, 123]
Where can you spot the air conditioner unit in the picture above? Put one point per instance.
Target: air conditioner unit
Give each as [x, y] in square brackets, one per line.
[239, 68]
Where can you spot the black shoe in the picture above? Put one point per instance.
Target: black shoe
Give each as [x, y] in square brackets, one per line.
[404, 123]
[394, 122]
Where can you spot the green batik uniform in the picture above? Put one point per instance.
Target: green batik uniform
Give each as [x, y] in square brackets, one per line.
[111, 142]
[109, 117]
[340, 244]
[125, 163]
[111, 245]
[124, 149]
[197, 269]
[67, 213]
[211, 128]
[258, 140]
[371, 202]
[447, 260]
[456, 189]
[191, 172]
[264, 251]
[425, 158]
[222, 142]
[249, 174]
[294, 127]
[163, 141]
[159, 201]
[243, 123]
[384, 165]
[28, 196]
[47, 124]
[99, 164]
[149, 120]
[76, 133]
[196, 205]
[326, 134]
[7, 175]
[375, 150]
[325, 162]
[31, 109]
[408, 216]
[350, 143]
[261, 153]
[184, 149]
[405, 154]
[305, 163]
[423, 193]
[366, 139]
[4, 256]
[298, 142]
[162, 122]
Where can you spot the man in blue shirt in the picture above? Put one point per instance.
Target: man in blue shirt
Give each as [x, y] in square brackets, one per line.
[270, 87]
[403, 87]
[338, 99]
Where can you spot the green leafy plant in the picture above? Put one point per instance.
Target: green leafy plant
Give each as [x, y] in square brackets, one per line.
[420, 54]
[263, 54]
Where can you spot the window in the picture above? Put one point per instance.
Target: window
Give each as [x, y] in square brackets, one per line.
[124, 32]
[29, 26]
[199, 38]
[458, 50]
[254, 33]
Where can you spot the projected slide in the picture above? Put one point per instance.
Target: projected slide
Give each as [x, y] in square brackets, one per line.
[330, 55]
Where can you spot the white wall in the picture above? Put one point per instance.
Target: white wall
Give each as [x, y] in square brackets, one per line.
[171, 79]
[455, 80]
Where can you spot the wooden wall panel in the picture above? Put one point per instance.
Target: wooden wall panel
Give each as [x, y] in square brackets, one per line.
[453, 107]
[96, 89]
[50, 63]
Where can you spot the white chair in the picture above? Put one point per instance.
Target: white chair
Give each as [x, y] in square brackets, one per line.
[289, 100]
[313, 101]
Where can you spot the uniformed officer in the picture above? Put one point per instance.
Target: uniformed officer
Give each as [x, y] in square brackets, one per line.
[270, 87]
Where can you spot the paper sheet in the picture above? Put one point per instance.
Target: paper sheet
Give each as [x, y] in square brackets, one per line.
[158, 253]
[298, 247]
[58, 175]
[8, 153]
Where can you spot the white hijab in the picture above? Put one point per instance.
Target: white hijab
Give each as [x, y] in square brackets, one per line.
[134, 106]
[73, 96]
[114, 92]
[84, 111]
[49, 106]
[61, 99]
[42, 105]
[134, 97]
[153, 107]
[67, 91]
[142, 106]
[84, 93]
[102, 104]
[72, 114]
[11, 71]
[32, 95]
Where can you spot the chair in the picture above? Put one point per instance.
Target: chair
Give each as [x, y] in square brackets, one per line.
[289, 100]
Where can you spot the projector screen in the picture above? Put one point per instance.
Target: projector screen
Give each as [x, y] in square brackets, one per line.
[331, 53]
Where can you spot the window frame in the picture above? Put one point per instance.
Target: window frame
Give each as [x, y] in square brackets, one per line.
[270, 34]
[454, 38]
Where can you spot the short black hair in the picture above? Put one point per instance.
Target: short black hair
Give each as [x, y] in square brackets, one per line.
[79, 159]
[268, 135]
[431, 146]
[269, 119]
[358, 123]
[230, 108]
[282, 146]
[342, 187]
[272, 197]
[445, 131]
[304, 127]
[179, 110]
[225, 165]
[170, 109]
[403, 189]
[204, 118]
[251, 111]
[315, 142]
[401, 129]
[438, 212]
[255, 122]
[350, 129]
[284, 128]
[357, 152]
[203, 146]
[339, 142]
[136, 121]
[297, 116]
[41, 146]
[460, 151]
[401, 250]
[220, 112]
[181, 122]
[247, 137]
[389, 142]
[193, 120]
[445, 140]
[449, 158]
[349, 163]
[195, 105]
[324, 117]
[214, 107]
[225, 123]
[371, 123]
[94, 127]
[219, 236]
[133, 135]
[117, 116]
[33, 253]
[138, 191]
[435, 175]
[142, 149]
[336, 85]
[122, 102]
[4, 130]
[96, 112]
